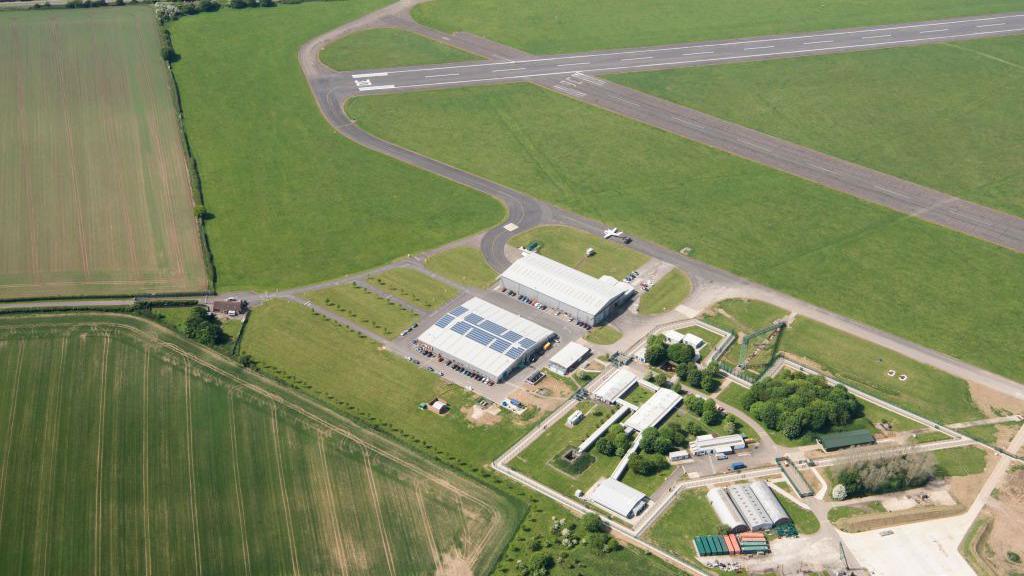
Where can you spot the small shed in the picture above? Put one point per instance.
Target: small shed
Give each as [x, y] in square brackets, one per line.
[438, 406]
[840, 440]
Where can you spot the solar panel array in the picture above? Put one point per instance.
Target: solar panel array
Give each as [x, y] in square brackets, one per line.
[486, 332]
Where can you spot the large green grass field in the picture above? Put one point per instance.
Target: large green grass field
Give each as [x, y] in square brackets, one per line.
[345, 368]
[128, 450]
[946, 116]
[864, 365]
[545, 27]
[666, 294]
[295, 202]
[906, 276]
[96, 198]
[464, 265]
[387, 48]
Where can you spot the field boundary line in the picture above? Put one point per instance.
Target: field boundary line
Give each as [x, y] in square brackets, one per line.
[196, 546]
[375, 500]
[98, 516]
[340, 556]
[284, 492]
[427, 528]
[10, 433]
[239, 501]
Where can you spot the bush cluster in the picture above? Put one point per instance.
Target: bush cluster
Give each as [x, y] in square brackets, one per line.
[796, 404]
[204, 327]
[886, 474]
[658, 353]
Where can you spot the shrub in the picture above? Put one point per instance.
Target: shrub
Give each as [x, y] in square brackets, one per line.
[885, 474]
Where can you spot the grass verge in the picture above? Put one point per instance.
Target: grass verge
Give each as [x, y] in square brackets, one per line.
[388, 48]
[604, 335]
[959, 461]
[463, 265]
[414, 287]
[666, 294]
[365, 308]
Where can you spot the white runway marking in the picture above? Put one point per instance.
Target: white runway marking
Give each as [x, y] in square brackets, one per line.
[697, 53]
[819, 42]
[370, 75]
[989, 25]
[381, 87]
[507, 69]
[441, 75]
[933, 31]
[755, 146]
[876, 36]
[640, 58]
[760, 47]
[687, 122]
[572, 64]
[823, 169]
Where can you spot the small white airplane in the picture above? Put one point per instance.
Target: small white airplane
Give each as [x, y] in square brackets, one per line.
[612, 233]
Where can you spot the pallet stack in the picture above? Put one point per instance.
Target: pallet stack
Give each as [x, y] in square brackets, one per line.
[731, 544]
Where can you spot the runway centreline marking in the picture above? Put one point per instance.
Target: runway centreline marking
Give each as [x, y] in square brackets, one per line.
[877, 36]
[933, 31]
[822, 49]
[640, 58]
[508, 69]
[441, 75]
[990, 25]
[760, 47]
[819, 42]
[806, 36]
[370, 75]
[572, 64]
[381, 87]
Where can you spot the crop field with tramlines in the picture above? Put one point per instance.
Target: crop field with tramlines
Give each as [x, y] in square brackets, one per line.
[127, 450]
[96, 194]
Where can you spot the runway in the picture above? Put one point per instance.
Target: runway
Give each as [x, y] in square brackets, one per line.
[683, 55]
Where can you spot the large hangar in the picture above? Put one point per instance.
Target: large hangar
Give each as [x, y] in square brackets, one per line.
[585, 298]
[483, 337]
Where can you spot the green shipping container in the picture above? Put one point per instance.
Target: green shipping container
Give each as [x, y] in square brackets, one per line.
[720, 546]
[702, 550]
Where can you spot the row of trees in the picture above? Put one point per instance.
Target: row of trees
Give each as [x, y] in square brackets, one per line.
[796, 404]
[883, 475]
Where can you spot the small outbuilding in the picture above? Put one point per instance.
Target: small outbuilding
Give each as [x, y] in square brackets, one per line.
[848, 439]
[438, 406]
[230, 307]
[568, 358]
[618, 497]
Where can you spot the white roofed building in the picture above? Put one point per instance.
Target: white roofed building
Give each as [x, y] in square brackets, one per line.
[617, 497]
[750, 507]
[486, 338]
[653, 411]
[585, 298]
[567, 358]
[726, 510]
[708, 444]
[615, 385]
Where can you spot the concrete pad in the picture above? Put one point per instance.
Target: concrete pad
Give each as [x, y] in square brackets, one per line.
[921, 549]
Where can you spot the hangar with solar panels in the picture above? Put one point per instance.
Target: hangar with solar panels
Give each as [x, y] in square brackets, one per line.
[486, 339]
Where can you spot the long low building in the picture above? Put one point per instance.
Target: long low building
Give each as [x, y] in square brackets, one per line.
[585, 298]
[746, 507]
[615, 385]
[486, 338]
[653, 411]
[726, 510]
[708, 444]
[617, 497]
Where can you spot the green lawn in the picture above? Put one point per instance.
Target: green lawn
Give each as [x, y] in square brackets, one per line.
[604, 335]
[688, 517]
[930, 436]
[805, 521]
[569, 246]
[744, 315]
[153, 455]
[679, 193]
[989, 433]
[960, 461]
[837, 513]
[911, 112]
[349, 371]
[414, 287]
[388, 48]
[577, 25]
[365, 308]
[666, 294]
[293, 201]
[536, 461]
[463, 265]
[863, 365]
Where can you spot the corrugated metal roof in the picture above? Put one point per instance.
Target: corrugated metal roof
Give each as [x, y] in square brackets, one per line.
[750, 507]
[616, 496]
[564, 283]
[653, 410]
[615, 385]
[569, 355]
[838, 440]
[770, 502]
[485, 337]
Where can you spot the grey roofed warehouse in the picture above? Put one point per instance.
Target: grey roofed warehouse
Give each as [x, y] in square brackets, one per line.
[585, 298]
[486, 338]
